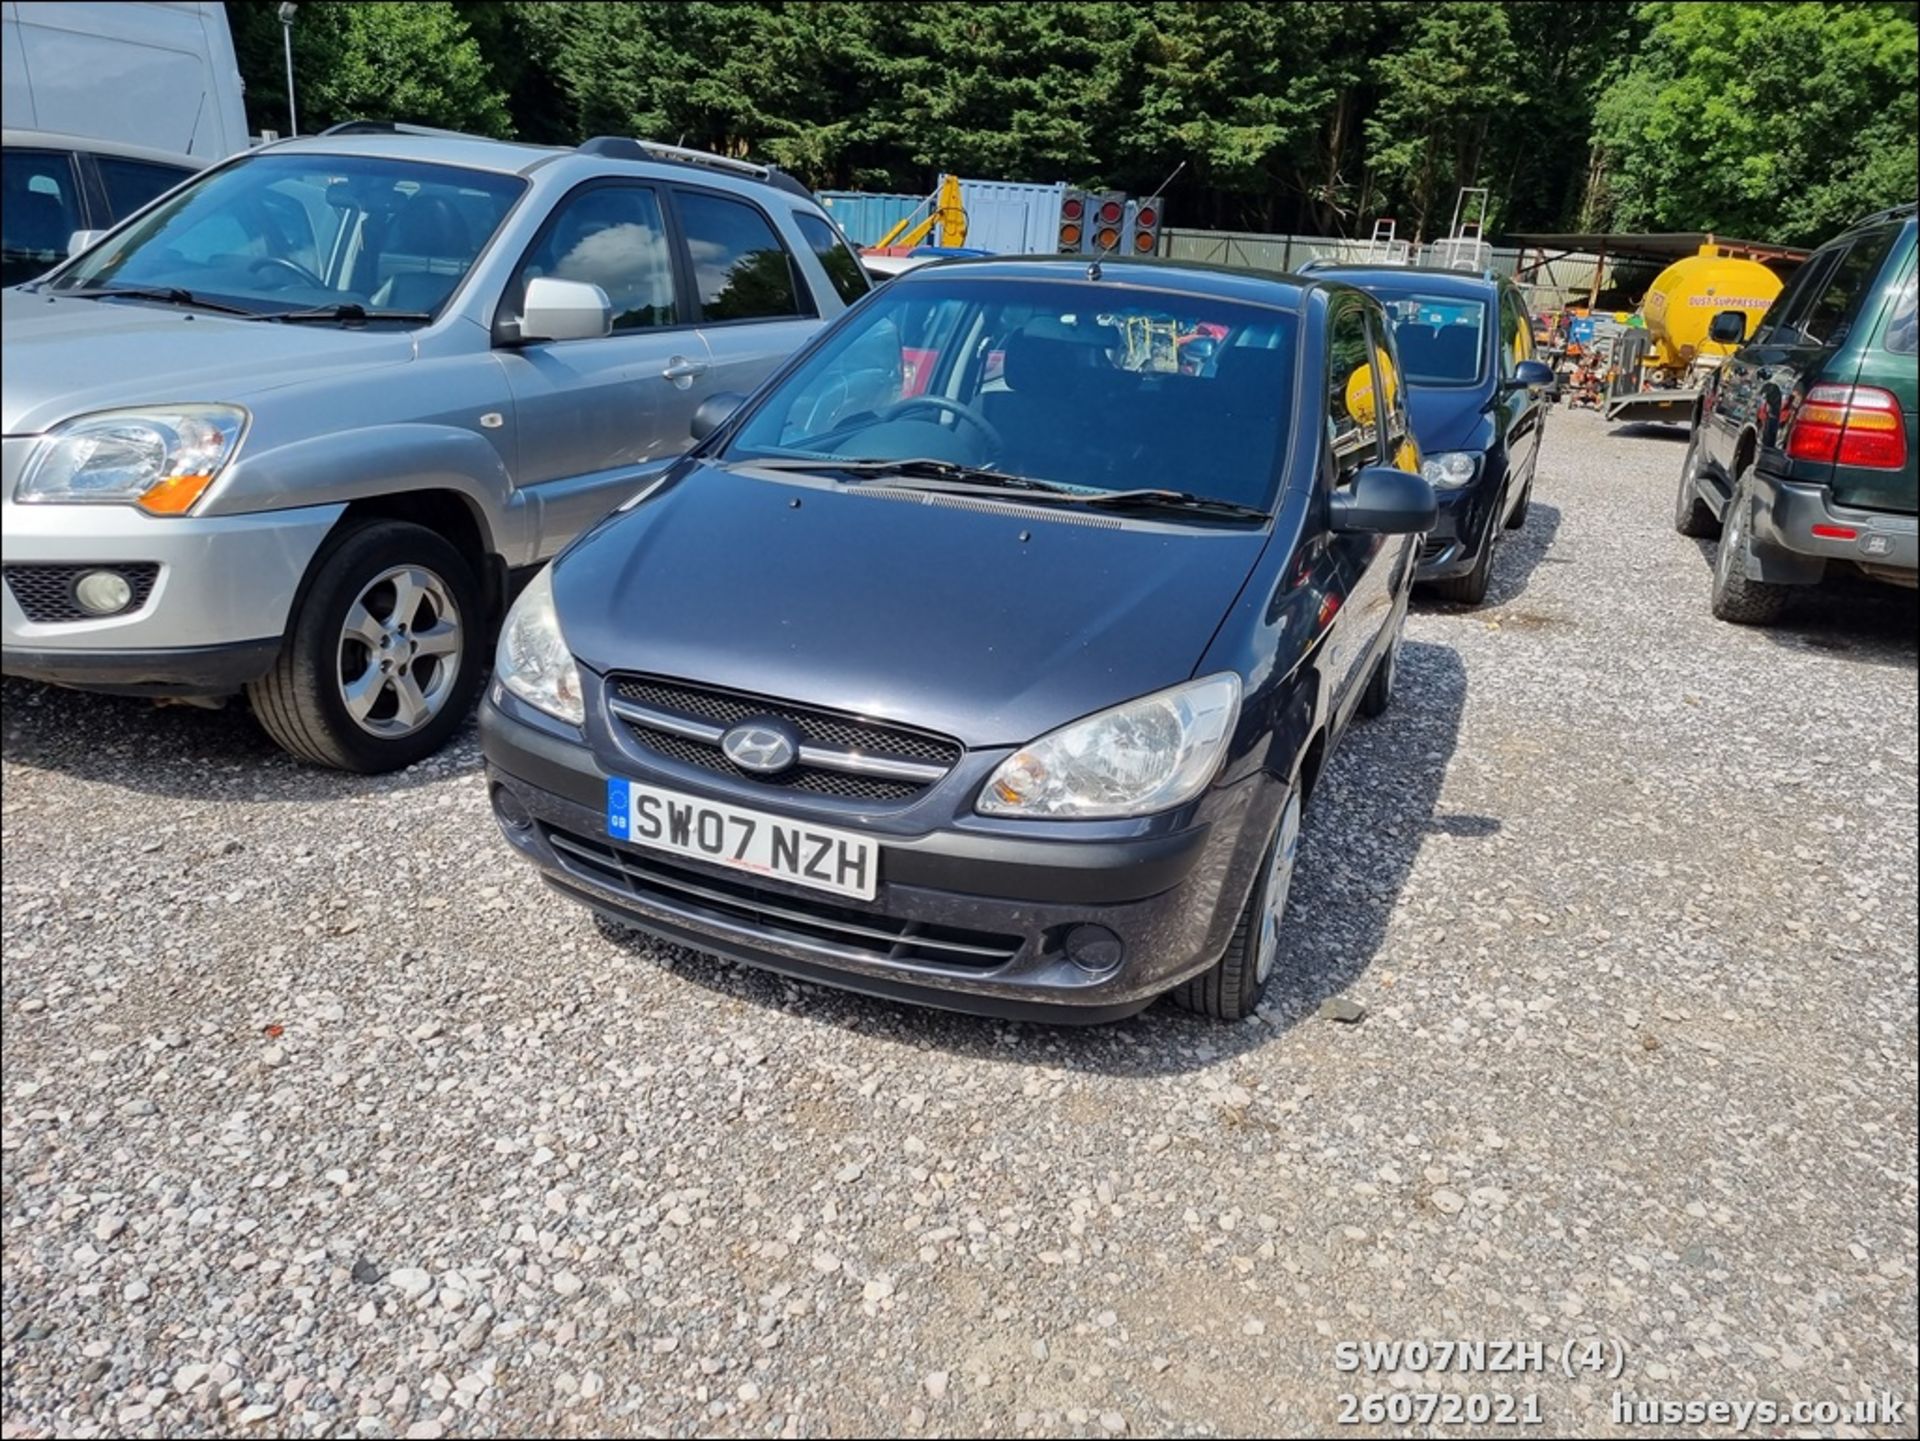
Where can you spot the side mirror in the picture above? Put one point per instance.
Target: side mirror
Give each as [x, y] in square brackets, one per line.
[1532, 375]
[714, 412]
[1385, 501]
[82, 240]
[564, 310]
[1728, 327]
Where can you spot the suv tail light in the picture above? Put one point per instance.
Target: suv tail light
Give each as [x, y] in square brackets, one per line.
[1849, 425]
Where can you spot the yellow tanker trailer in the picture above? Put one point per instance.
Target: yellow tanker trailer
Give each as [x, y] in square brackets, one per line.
[1661, 369]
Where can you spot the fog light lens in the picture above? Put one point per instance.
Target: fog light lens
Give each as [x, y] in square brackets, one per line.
[102, 592]
[1094, 949]
[508, 807]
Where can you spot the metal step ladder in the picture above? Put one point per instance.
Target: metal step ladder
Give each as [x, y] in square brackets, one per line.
[1465, 247]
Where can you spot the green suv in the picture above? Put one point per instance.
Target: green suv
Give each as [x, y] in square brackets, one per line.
[1803, 444]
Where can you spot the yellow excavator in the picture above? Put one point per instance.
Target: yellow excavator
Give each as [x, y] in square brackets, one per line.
[948, 218]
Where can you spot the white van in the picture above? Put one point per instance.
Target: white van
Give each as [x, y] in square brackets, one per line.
[158, 75]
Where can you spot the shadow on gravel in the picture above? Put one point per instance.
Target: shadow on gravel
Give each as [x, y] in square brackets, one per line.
[184, 751]
[1848, 616]
[1373, 809]
[1651, 430]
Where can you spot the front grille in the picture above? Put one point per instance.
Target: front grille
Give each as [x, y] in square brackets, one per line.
[741, 906]
[45, 592]
[815, 727]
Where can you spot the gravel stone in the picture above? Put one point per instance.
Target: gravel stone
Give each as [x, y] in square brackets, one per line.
[1627, 896]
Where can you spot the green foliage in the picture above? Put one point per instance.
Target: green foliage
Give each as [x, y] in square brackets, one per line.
[1774, 121]
[1779, 121]
[417, 62]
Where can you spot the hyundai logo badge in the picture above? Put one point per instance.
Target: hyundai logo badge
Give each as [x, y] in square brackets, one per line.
[761, 746]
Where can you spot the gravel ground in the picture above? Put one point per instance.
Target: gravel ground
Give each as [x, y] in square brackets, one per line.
[322, 1119]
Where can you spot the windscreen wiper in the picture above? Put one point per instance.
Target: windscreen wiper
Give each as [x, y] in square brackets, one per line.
[165, 294]
[919, 468]
[345, 311]
[1180, 500]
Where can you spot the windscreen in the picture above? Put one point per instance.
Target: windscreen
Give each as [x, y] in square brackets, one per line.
[1098, 387]
[288, 231]
[1441, 338]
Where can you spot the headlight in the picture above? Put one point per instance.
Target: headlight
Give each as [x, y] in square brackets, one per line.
[161, 460]
[1450, 469]
[1148, 755]
[533, 660]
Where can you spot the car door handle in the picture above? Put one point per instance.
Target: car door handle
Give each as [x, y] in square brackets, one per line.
[680, 368]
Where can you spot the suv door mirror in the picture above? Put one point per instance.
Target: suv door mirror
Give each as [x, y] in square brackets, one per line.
[82, 240]
[564, 310]
[1384, 501]
[714, 412]
[1729, 327]
[1531, 375]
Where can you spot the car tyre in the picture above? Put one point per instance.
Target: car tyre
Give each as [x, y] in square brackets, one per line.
[1692, 516]
[1737, 597]
[1378, 695]
[1519, 516]
[1471, 588]
[1230, 990]
[391, 627]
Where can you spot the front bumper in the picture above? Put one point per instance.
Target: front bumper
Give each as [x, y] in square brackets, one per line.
[1787, 512]
[220, 599]
[1459, 529]
[1171, 898]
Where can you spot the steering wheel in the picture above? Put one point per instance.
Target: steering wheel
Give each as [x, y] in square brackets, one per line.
[280, 262]
[958, 409]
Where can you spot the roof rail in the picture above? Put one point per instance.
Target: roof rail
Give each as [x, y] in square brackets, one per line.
[624, 147]
[391, 127]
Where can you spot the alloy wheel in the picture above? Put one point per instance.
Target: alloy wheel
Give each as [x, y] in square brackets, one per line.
[400, 648]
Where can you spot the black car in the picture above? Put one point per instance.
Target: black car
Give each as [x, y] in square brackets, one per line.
[1801, 459]
[988, 656]
[1479, 403]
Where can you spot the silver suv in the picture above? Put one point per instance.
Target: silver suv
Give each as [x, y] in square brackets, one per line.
[294, 428]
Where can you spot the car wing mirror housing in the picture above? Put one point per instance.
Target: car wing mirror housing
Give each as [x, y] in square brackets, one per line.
[715, 411]
[1532, 375]
[1728, 327]
[1384, 500]
[82, 240]
[558, 309]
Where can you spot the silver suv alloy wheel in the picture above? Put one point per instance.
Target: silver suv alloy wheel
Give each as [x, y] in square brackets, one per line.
[399, 652]
[1286, 850]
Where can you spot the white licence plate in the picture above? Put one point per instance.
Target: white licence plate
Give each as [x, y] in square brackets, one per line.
[808, 855]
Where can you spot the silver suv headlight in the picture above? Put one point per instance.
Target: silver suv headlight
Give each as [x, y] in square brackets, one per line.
[533, 661]
[161, 458]
[1450, 469]
[1148, 755]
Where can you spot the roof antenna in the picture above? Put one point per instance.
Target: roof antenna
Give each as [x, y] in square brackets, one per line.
[1093, 270]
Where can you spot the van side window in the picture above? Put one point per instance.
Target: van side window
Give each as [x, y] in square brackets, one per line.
[611, 236]
[740, 269]
[1353, 430]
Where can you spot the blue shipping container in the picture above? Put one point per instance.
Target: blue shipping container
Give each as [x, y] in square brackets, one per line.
[866, 217]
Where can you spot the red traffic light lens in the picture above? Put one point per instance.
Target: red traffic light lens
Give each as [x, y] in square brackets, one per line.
[1146, 215]
[1071, 209]
[1110, 213]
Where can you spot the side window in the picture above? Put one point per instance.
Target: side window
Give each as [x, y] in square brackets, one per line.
[41, 211]
[1793, 300]
[841, 264]
[130, 184]
[1353, 430]
[740, 269]
[1511, 339]
[1386, 366]
[1831, 314]
[1903, 334]
[611, 236]
[1520, 325]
